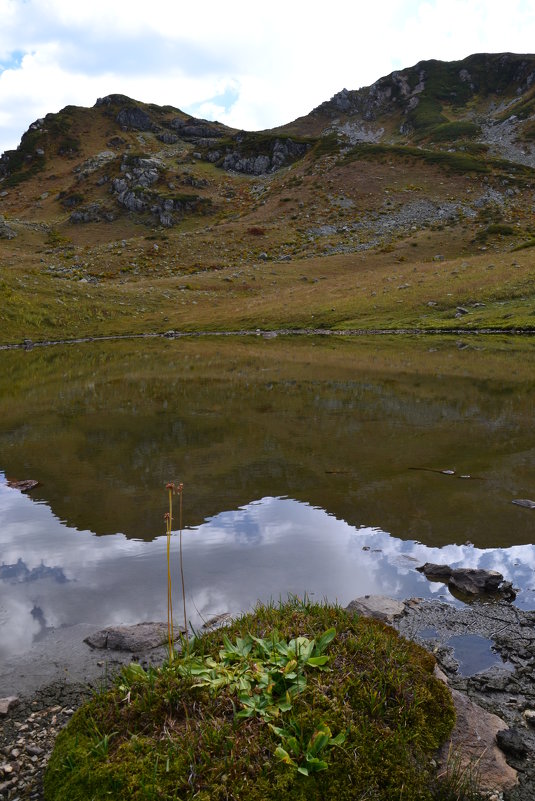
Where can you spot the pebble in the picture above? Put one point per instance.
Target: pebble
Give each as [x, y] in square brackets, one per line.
[27, 737]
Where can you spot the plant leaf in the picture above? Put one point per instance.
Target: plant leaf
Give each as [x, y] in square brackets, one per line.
[323, 641]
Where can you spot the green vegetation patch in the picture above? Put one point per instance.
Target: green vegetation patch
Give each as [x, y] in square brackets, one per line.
[450, 131]
[299, 701]
[459, 162]
[326, 146]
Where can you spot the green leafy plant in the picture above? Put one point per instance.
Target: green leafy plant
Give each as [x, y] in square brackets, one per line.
[302, 752]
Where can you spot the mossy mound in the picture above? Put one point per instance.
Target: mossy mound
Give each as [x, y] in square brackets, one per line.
[363, 719]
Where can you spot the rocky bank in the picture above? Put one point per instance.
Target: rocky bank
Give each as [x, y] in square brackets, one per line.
[495, 705]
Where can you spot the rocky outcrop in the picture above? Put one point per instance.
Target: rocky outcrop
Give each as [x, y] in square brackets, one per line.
[193, 128]
[94, 212]
[256, 155]
[134, 191]
[133, 118]
[95, 163]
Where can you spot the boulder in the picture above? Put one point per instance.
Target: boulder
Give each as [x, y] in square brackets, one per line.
[140, 637]
[380, 607]
[468, 580]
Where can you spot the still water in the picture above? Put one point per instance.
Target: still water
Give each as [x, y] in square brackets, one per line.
[310, 467]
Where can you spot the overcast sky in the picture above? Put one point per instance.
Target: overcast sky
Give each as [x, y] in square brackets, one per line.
[251, 65]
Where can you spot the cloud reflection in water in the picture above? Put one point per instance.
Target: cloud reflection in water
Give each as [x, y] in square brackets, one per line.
[265, 550]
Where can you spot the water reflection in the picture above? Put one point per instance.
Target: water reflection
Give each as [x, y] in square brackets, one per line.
[53, 576]
[336, 424]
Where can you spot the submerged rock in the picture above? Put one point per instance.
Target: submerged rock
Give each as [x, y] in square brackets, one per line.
[525, 502]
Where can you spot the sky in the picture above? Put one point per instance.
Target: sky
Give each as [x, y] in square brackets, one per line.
[250, 65]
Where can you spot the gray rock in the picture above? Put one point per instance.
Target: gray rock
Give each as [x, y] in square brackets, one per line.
[6, 704]
[378, 607]
[140, 637]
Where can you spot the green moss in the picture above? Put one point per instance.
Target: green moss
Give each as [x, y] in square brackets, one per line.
[167, 739]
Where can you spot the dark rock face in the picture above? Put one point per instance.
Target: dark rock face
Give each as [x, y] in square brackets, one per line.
[469, 581]
[195, 129]
[134, 118]
[257, 157]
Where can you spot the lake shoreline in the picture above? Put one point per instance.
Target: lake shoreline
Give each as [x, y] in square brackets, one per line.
[28, 344]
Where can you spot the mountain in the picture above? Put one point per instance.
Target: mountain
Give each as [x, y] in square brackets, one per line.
[109, 209]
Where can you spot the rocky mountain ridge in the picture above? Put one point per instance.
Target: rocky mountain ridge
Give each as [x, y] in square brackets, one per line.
[429, 163]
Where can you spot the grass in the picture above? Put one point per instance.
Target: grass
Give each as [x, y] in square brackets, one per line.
[371, 713]
[342, 291]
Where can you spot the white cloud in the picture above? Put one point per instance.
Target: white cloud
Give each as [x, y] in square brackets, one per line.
[283, 58]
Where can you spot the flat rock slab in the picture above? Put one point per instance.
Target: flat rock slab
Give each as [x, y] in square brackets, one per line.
[380, 607]
[6, 704]
[140, 637]
[472, 748]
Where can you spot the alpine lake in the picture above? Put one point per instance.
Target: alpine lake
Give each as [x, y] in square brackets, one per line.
[323, 466]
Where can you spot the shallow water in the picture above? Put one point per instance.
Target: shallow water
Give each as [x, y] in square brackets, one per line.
[309, 467]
